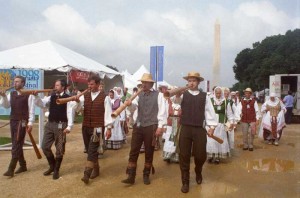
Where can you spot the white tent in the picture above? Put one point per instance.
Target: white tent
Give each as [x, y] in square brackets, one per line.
[48, 56]
[139, 73]
[129, 82]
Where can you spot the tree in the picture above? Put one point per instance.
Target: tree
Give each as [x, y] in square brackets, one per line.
[279, 54]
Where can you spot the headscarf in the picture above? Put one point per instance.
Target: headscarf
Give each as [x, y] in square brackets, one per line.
[272, 103]
[218, 101]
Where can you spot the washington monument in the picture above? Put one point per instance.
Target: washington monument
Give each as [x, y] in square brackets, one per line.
[217, 55]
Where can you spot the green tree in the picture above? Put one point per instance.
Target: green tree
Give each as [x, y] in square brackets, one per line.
[279, 54]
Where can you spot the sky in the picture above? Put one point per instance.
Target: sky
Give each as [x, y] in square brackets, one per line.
[120, 32]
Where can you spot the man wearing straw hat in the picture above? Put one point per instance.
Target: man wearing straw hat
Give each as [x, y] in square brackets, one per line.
[249, 118]
[196, 108]
[151, 116]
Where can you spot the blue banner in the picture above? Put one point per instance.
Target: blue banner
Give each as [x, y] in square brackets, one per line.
[33, 81]
[157, 62]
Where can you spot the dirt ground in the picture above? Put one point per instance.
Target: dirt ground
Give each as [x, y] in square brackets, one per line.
[269, 171]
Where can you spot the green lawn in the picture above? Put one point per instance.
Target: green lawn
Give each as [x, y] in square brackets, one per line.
[4, 140]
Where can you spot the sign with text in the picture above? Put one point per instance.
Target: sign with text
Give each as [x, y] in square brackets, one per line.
[33, 81]
[79, 76]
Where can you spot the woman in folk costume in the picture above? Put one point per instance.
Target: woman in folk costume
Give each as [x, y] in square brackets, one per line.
[222, 107]
[120, 94]
[116, 140]
[236, 116]
[169, 150]
[273, 120]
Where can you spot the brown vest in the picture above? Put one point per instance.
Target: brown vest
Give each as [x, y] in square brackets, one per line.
[248, 114]
[93, 110]
[19, 106]
[193, 109]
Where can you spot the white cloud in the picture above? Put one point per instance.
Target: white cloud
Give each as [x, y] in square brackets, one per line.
[187, 35]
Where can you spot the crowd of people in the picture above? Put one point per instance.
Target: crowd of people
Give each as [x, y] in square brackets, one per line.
[187, 123]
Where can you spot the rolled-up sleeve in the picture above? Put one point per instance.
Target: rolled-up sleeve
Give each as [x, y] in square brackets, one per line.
[162, 111]
[210, 115]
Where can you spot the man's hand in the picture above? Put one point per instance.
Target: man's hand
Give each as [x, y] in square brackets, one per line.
[210, 132]
[108, 133]
[2, 93]
[66, 131]
[127, 102]
[29, 128]
[159, 131]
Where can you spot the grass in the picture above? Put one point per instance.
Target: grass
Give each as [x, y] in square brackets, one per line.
[78, 119]
[5, 140]
[6, 117]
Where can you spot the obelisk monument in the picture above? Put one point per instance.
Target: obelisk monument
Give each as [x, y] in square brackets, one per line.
[217, 55]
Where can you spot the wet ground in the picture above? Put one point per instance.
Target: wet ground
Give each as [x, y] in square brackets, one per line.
[268, 171]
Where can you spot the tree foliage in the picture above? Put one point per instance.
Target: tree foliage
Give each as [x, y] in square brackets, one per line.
[279, 54]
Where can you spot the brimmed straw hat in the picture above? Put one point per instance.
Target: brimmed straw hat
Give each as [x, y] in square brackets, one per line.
[248, 90]
[194, 75]
[147, 78]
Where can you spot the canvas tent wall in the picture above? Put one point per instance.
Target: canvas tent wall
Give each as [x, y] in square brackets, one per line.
[50, 56]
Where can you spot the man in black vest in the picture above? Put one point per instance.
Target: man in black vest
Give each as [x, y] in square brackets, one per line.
[151, 117]
[60, 122]
[21, 116]
[196, 108]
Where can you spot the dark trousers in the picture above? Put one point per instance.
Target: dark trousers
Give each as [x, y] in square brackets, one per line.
[192, 137]
[140, 135]
[54, 135]
[17, 138]
[91, 142]
[288, 115]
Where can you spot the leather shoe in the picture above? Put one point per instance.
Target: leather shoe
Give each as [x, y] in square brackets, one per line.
[250, 149]
[245, 149]
[199, 178]
[185, 188]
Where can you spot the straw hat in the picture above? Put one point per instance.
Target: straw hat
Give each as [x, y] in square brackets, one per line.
[194, 75]
[248, 90]
[147, 78]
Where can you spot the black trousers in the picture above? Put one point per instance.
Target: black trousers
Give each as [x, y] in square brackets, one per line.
[288, 115]
[192, 137]
[140, 135]
[17, 138]
[91, 142]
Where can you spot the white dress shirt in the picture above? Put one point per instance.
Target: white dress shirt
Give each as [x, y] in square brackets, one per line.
[5, 102]
[71, 106]
[162, 114]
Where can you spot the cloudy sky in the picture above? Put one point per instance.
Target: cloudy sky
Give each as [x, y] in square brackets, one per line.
[120, 32]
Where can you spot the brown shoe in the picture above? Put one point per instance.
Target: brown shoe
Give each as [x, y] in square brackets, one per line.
[185, 188]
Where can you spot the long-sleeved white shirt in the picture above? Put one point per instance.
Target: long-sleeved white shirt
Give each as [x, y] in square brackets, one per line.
[108, 120]
[211, 120]
[162, 114]
[5, 102]
[71, 106]
[257, 112]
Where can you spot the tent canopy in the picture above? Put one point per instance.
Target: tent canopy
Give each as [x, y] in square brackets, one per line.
[48, 55]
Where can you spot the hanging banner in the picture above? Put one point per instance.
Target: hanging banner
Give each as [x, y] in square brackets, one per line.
[157, 62]
[33, 81]
[79, 76]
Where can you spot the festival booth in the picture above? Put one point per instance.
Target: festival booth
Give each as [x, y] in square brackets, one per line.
[44, 62]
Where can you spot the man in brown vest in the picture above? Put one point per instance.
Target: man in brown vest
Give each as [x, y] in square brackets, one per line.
[21, 117]
[151, 117]
[60, 122]
[96, 116]
[249, 118]
[196, 109]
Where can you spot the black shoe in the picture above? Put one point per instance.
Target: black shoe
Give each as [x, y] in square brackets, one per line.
[87, 175]
[131, 176]
[250, 149]
[51, 162]
[245, 149]
[56, 168]
[199, 178]
[11, 168]
[185, 188]
[21, 169]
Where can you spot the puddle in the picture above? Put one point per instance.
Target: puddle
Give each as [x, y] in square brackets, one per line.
[291, 144]
[270, 165]
[255, 146]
